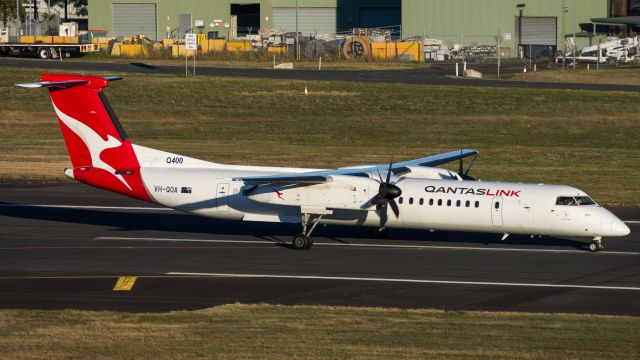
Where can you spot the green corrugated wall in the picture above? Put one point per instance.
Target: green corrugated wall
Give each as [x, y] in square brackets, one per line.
[479, 21]
[208, 10]
[462, 21]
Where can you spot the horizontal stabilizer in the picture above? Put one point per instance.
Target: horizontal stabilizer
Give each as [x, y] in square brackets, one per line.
[58, 84]
[63, 84]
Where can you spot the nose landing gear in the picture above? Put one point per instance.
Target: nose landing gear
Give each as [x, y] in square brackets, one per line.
[596, 244]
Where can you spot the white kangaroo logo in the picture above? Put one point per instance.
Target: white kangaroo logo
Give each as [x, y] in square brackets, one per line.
[93, 141]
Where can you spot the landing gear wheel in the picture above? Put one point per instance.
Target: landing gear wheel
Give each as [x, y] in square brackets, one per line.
[302, 242]
[377, 233]
[43, 53]
[595, 246]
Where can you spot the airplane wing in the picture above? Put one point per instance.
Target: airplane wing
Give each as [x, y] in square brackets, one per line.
[320, 177]
[435, 160]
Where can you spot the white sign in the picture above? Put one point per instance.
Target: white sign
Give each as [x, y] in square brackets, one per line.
[506, 36]
[199, 23]
[226, 25]
[191, 41]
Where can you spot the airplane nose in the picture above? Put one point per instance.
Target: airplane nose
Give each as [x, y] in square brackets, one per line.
[612, 226]
[619, 228]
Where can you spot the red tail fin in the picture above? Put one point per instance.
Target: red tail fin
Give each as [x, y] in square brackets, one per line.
[100, 151]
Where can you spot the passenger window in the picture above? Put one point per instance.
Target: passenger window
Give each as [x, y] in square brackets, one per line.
[411, 201]
[439, 202]
[400, 200]
[477, 204]
[448, 202]
[497, 205]
[468, 203]
[431, 202]
[458, 203]
[421, 201]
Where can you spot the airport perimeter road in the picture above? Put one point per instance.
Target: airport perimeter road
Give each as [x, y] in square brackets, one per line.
[438, 75]
[70, 252]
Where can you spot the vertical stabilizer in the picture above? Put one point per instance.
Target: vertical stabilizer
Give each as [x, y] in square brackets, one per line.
[100, 151]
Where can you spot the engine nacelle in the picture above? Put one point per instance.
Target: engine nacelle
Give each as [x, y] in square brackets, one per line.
[341, 192]
[423, 172]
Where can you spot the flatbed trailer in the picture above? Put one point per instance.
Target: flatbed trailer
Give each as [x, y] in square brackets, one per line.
[47, 51]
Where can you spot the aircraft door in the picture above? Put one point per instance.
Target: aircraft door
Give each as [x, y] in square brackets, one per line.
[526, 221]
[222, 198]
[496, 211]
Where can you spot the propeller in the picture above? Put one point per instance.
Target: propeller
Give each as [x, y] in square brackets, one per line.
[387, 193]
[465, 174]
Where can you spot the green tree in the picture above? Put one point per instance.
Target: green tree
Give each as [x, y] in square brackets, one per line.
[79, 5]
[8, 10]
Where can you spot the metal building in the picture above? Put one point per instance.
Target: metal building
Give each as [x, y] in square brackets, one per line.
[465, 22]
[160, 18]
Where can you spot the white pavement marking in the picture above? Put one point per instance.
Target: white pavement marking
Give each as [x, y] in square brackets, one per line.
[414, 281]
[88, 207]
[366, 245]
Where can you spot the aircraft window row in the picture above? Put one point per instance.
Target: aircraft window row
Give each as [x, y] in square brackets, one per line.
[458, 203]
[574, 200]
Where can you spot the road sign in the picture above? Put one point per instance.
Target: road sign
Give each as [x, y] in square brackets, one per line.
[191, 41]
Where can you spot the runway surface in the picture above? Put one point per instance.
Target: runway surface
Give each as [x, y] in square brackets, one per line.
[439, 74]
[71, 250]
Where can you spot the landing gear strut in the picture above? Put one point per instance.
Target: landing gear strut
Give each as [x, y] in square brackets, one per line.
[303, 241]
[596, 244]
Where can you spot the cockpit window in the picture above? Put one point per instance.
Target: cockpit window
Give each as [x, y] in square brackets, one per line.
[566, 201]
[584, 200]
[574, 201]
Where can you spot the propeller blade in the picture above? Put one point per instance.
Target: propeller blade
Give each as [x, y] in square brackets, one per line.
[460, 168]
[382, 212]
[466, 173]
[379, 175]
[376, 199]
[389, 171]
[394, 207]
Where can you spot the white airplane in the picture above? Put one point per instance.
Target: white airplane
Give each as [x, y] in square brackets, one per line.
[420, 195]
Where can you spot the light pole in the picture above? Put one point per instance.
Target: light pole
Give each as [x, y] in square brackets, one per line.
[521, 11]
[18, 19]
[574, 34]
[297, 40]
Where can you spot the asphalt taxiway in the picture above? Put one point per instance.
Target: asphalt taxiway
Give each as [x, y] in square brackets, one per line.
[68, 245]
[439, 74]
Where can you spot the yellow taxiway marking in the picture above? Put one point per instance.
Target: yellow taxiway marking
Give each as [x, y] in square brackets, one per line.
[125, 283]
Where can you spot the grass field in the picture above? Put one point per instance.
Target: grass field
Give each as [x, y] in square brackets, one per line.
[626, 76]
[307, 332]
[256, 61]
[587, 139]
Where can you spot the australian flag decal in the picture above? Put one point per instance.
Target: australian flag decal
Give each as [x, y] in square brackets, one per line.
[186, 190]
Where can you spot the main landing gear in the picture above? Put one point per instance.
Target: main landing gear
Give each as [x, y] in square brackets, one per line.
[303, 241]
[596, 244]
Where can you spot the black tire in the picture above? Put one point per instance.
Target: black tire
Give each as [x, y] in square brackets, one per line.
[302, 242]
[44, 53]
[376, 233]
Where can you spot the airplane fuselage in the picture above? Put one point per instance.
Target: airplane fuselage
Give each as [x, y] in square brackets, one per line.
[431, 204]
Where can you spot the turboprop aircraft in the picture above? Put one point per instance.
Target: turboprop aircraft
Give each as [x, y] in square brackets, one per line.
[419, 194]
